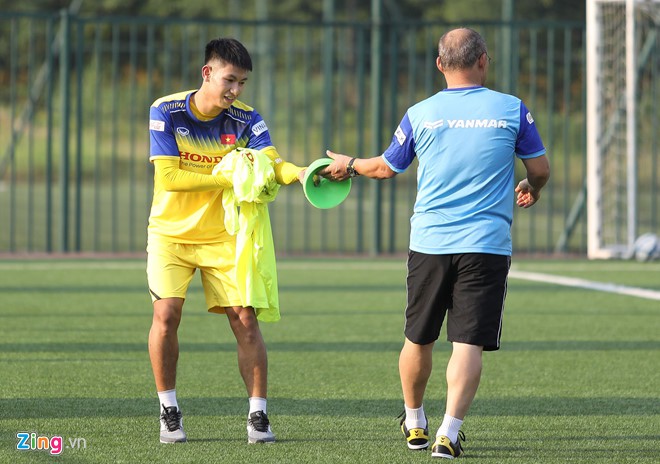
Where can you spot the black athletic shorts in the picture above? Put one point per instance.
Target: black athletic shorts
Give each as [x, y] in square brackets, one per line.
[470, 288]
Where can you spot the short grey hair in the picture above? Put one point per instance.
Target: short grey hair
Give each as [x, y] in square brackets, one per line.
[461, 48]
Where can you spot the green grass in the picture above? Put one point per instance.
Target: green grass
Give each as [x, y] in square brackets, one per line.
[576, 379]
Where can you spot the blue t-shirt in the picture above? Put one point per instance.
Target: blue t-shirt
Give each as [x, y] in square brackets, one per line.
[466, 141]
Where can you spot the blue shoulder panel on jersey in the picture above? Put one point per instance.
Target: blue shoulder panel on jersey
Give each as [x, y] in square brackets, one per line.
[259, 134]
[162, 140]
[401, 152]
[528, 143]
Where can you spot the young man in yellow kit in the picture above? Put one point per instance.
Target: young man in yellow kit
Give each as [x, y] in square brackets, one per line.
[190, 132]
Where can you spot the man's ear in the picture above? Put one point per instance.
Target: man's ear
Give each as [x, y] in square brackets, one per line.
[439, 65]
[483, 60]
[206, 72]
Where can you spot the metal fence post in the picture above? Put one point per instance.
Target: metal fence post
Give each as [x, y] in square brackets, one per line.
[376, 115]
[328, 78]
[64, 129]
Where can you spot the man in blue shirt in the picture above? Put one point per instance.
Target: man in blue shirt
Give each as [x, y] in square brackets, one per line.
[466, 139]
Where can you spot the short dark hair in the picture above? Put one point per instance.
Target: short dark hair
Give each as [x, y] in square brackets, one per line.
[230, 51]
[461, 48]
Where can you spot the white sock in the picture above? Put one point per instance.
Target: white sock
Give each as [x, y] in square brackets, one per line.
[450, 427]
[257, 404]
[167, 398]
[415, 418]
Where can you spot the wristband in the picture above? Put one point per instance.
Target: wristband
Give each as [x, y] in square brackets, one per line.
[350, 169]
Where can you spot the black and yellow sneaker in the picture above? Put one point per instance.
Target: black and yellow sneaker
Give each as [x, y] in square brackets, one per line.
[417, 438]
[444, 448]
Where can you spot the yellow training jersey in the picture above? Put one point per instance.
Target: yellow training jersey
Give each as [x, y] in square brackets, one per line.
[177, 131]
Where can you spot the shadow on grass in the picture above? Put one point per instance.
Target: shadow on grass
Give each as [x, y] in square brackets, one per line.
[343, 346]
[42, 408]
[142, 289]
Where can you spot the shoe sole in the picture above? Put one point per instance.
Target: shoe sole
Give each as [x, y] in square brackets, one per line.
[261, 442]
[171, 442]
[442, 455]
[418, 447]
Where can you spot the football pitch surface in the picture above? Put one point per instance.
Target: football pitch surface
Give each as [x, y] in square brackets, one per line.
[577, 378]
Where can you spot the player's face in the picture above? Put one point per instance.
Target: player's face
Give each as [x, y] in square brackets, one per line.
[225, 82]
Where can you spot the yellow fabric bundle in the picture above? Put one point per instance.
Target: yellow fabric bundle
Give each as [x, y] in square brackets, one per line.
[246, 216]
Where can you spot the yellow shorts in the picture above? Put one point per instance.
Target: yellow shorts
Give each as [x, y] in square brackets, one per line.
[171, 266]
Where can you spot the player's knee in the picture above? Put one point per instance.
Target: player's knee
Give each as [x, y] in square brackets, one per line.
[245, 324]
[167, 316]
[248, 325]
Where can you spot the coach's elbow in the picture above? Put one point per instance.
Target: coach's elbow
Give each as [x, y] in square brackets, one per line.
[386, 173]
[538, 171]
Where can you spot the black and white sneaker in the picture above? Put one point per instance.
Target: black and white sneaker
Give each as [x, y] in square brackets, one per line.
[445, 448]
[171, 425]
[258, 428]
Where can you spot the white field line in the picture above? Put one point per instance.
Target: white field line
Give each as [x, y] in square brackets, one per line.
[588, 284]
